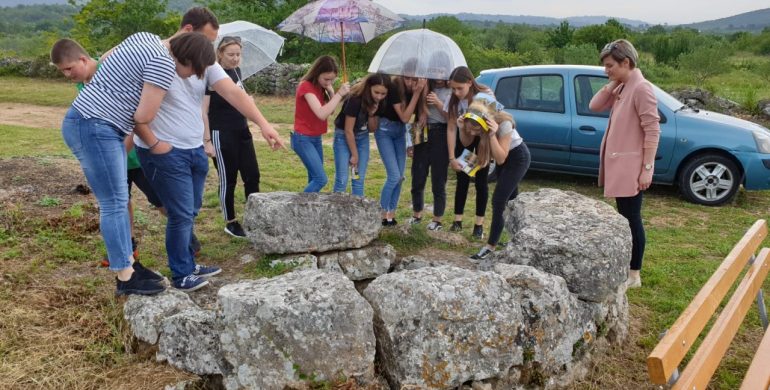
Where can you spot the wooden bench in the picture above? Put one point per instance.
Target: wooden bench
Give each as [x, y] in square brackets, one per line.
[663, 362]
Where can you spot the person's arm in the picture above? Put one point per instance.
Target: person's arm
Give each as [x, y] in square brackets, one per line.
[149, 104]
[322, 111]
[451, 139]
[647, 108]
[242, 102]
[405, 113]
[604, 99]
[499, 147]
[350, 139]
[208, 145]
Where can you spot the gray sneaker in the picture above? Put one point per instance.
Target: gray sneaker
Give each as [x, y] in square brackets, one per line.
[435, 226]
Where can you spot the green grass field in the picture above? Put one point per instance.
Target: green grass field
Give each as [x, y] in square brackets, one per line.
[61, 327]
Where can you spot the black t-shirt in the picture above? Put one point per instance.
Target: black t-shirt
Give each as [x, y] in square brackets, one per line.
[223, 116]
[393, 99]
[352, 107]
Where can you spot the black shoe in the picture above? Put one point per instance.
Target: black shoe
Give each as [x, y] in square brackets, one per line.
[384, 222]
[482, 254]
[415, 220]
[138, 285]
[146, 273]
[457, 226]
[435, 226]
[234, 229]
[478, 232]
[392, 222]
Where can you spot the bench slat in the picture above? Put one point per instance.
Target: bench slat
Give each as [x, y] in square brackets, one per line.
[758, 375]
[704, 363]
[667, 355]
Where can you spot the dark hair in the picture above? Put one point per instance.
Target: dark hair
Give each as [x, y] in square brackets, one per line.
[198, 17]
[363, 89]
[195, 50]
[322, 64]
[66, 50]
[462, 74]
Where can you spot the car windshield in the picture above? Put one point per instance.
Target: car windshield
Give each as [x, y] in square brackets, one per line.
[667, 100]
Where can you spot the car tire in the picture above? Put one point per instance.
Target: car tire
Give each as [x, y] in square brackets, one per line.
[710, 179]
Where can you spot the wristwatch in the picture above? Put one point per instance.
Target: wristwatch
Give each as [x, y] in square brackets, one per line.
[647, 167]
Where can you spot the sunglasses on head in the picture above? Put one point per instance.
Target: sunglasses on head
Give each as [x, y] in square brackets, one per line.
[610, 47]
[230, 39]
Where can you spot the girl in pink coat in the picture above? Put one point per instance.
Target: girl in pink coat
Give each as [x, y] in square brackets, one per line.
[627, 154]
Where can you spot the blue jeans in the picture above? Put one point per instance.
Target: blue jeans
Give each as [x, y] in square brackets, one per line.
[310, 151]
[98, 146]
[342, 163]
[178, 178]
[391, 142]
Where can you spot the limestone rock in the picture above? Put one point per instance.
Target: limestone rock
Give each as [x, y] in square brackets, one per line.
[287, 222]
[145, 314]
[304, 323]
[359, 264]
[583, 240]
[190, 341]
[438, 327]
[296, 262]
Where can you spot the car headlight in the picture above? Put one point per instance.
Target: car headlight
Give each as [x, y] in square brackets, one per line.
[762, 138]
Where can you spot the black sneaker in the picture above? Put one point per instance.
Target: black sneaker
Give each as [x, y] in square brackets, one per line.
[139, 284]
[392, 222]
[415, 220]
[457, 226]
[190, 283]
[434, 226]
[205, 271]
[482, 254]
[478, 232]
[234, 229]
[384, 222]
[146, 272]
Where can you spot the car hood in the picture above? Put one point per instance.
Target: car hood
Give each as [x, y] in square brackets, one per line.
[721, 119]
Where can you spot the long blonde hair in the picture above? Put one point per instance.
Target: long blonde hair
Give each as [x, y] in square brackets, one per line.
[484, 109]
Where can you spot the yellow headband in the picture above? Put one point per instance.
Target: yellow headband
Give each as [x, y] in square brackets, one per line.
[481, 121]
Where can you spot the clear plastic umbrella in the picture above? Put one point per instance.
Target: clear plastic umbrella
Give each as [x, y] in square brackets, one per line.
[418, 53]
[260, 45]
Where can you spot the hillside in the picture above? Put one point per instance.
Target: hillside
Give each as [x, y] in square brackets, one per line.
[754, 21]
[575, 21]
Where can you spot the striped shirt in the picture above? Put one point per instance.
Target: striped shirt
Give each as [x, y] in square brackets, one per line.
[113, 94]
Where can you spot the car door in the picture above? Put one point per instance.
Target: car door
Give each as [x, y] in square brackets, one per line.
[537, 103]
[587, 126]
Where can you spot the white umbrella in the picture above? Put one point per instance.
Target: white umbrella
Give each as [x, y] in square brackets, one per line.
[260, 45]
[418, 53]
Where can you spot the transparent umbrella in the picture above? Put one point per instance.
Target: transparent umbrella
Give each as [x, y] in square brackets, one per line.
[418, 53]
[260, 45]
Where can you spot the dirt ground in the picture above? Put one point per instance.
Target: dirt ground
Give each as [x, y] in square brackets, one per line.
[55, 317]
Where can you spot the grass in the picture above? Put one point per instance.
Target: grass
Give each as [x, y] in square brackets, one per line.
[62, 328]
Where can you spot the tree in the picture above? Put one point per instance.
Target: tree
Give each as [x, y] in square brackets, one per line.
[705, 62]
[561, 36]
[101, 24]
[601, 34]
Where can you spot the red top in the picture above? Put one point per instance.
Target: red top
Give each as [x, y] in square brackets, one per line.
[305, 121]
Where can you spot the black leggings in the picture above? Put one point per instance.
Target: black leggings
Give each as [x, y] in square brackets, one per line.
[509, 175]
[234, 153]
[631, 208]
[463, 182]
[431, 156]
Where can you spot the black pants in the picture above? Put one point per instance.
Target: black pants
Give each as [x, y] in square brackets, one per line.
[136, 176]
[431, 156]
[631, 208]
[509, 175]
[234, 153]
[463, 182]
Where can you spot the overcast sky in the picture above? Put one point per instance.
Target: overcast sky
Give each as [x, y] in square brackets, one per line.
[651, 11]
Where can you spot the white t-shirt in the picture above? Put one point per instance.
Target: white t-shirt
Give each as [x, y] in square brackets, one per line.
[434, 114]
[506, 128]
[179, 120]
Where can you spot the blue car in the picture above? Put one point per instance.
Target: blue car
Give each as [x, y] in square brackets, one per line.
[706, 154]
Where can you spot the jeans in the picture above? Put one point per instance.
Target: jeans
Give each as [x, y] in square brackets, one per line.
[431, 156]
[509, 175]
[310, 151]
[631, 208]
[391, 142]
[178, 177]
[98, 146]
[342, 163]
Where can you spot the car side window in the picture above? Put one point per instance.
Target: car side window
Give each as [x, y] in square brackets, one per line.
[507, 91]
[585, 89]
[541, 93]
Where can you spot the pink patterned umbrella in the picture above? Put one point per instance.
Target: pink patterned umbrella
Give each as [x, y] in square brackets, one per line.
[341, 21]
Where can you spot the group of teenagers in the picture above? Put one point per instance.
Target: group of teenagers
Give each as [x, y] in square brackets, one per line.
[151, 111]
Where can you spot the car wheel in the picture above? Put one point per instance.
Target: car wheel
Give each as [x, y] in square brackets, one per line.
[710, 180]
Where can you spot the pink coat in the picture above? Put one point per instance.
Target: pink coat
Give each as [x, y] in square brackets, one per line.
[633, 126]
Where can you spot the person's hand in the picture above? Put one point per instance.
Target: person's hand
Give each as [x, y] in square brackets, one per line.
[162, 147]
[272, 137]
[344, 89]
[354, 160]
[419, 85]
[410, 151]
[493, 126]
[373, 109]
[645, 179]
[460, 122]
[455, 165]
[432, 98]
[208, 147]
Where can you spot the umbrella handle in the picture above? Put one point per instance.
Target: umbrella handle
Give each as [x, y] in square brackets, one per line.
[344, 66]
